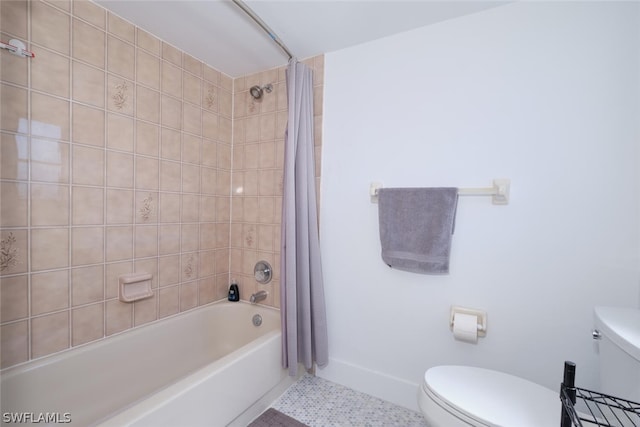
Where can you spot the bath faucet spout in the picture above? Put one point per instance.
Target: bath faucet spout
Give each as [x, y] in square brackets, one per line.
[258, 296]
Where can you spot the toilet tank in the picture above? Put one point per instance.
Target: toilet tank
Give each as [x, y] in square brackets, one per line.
[619, 351]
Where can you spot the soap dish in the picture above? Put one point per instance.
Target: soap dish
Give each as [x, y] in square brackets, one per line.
[134, 287]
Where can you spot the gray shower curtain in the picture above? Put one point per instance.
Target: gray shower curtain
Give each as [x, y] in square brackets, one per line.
[302, 305]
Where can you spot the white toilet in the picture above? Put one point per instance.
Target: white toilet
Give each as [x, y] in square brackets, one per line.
[462, 396]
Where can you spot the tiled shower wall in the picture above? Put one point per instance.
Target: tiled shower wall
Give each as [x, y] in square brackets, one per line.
[116, 156]
[258, 157]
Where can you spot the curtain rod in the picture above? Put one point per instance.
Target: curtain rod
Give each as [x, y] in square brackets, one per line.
[246, 9]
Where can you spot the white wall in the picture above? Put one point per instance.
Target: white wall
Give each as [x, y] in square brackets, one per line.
[546, 94]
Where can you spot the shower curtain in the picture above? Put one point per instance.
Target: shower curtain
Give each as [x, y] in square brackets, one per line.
[302, 305]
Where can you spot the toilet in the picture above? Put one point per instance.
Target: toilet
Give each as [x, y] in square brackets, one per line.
[462, 396]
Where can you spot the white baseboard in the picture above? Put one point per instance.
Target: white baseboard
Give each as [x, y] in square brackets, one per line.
[392, 389]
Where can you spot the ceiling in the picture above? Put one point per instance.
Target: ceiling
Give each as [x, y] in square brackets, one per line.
[220, 34]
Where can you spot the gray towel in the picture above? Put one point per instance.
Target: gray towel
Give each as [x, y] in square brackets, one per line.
[416, 225]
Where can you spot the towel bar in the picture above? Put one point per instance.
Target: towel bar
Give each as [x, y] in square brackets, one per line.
[499, 192]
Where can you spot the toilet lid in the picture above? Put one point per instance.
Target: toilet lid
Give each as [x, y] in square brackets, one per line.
[494, 398]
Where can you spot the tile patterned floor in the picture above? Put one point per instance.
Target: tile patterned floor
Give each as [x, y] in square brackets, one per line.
[321, 403]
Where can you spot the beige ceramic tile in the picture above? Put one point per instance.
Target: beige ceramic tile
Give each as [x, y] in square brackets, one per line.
[112, 272]
[171, 54]
[171, 112]
[88, 125]
[15, 249]
[14, 298]
[14, 340]
[88, 43]
[49, 27]
[169, 303]
[188, 295]
[49, 161]
[146, 241]
[88, 323]
[121, 28]
[13, 68]
[120, 58]
[170, 176]
[14, 204]
[13, 116]
[119, 316]
[208, 177]
[209, 97]
[148, 265]
[190, 207]
[189, 266]
[145, 310]
[87, 245]
[148, 42]
[49, 205]
[119, 206]
[208, 209]
[147, 139]
[88, 84]
[192, 87]
[211, 74]
[209, 155]
[225, 103]
[49, 117]
[65, 5]
[148, 69]
[90, 12]
[50, 73]
[14, 159]
[119, 243]
[267, 127]
[192, 65]
[171, 80]
[13, 18]
[119, 169]
[222, 183]
[87, 285]
[169, 270]
[49, 291]
[207, 263]
[192, 120]
[49, 334]
[170, 145]
[189, 237]
[147, 104]
[49, 248]
[223, 211]
[87, 205]
[207, 236]
[146, 207]
[190, 178]
[169, 207]
[209, 125]
[191, 148]
[225, 131]
[226, 82]
[121, 95]
[119, 132]
[267, 181]
[169, 241]
[146, 173]
[88, 165]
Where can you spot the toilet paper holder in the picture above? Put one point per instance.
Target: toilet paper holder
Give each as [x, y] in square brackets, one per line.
[480, 315]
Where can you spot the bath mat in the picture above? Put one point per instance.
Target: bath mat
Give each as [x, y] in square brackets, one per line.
[274, 418]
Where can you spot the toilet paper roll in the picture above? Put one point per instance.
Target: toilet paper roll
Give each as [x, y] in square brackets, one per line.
[465, 327]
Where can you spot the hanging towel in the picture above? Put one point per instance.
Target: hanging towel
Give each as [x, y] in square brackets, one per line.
[416, 225]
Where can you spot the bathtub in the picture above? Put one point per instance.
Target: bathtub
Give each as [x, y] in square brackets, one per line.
[208, 366]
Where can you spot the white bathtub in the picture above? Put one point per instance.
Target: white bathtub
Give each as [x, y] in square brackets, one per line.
[204, 367]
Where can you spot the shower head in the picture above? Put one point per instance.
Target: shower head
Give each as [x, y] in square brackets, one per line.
[257, 91]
